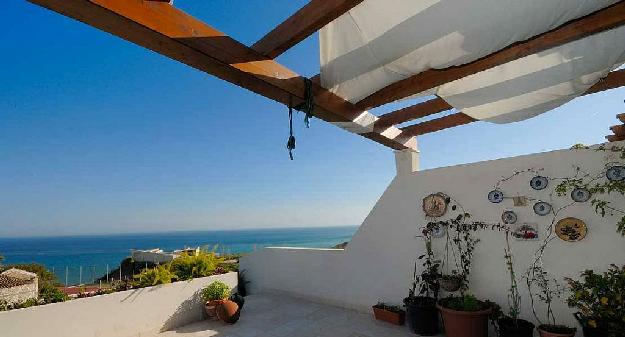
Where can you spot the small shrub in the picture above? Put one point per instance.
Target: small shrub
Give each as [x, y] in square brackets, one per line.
[51, 294]
[464, 303]
[216, 291]
[187, 267]
[153, 276]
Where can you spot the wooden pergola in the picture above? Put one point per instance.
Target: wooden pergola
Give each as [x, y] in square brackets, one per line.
[161, 27]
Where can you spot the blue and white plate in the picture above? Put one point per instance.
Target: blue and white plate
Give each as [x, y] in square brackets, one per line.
[508, 217]
[539, 182]
[542, 208]
[615, 173]
[495, 196]
[580, 194]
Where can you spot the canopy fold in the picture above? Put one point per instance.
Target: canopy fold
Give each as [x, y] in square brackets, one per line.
[378, 43]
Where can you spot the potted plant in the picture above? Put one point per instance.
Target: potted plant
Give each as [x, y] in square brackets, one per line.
[511, 325]
[421, 310]
[464, 315]
[214, 295]
[389, 313]
[600, 299]
[549, 290]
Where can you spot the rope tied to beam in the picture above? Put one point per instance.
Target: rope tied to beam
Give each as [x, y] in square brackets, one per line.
[306, 107]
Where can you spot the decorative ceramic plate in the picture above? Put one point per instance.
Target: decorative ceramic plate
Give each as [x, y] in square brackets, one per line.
[435, 205]
[615, 173]
[580, 194]
[495, 196]
[508, 217]
[542, 208]
[539, 182]
[525, 232]
[438, 231]
[571, 229]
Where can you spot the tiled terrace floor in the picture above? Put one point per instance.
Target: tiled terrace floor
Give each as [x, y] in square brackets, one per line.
[271, 315]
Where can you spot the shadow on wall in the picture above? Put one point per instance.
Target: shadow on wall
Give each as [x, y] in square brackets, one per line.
[188, 311]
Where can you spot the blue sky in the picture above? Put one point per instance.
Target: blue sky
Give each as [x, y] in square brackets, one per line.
[98, 135]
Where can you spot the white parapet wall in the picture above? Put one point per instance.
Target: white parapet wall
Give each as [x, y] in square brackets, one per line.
[378, 262]
[132, 313]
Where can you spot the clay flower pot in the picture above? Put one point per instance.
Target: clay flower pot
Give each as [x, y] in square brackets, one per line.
[548, 330]
[227, 311]
[392, 317]
[211, 309]
[465, 323]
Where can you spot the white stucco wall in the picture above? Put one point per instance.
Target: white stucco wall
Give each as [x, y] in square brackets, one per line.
[133, 313]
[377, 264]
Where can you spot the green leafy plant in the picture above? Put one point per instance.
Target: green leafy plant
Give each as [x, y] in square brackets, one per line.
[426, 283]
[153, 276]
[598, 186]
[391, 308]
[514, 298]
[600, 298]
[187, 267]
[51, 294]
[216, 291]
[464, 303]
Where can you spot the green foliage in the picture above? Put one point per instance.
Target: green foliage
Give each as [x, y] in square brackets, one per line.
[464, 303]
[51, 294]
[391, 308]
[597, 186]
[153, 276]
[600, 298]
[216, 291]
[514, 298]
[5, 306]
[187, 267]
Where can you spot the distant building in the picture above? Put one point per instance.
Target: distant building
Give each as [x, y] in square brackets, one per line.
[16, 286]
[158, 256]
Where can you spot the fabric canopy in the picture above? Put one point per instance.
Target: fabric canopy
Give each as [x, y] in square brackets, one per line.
[378, 43]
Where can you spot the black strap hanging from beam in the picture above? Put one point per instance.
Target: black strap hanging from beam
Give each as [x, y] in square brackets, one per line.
[307, 107]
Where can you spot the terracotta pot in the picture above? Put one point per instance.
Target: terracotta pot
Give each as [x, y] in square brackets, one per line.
[227, 311]
[508, 328]
[211, 309]
[396, 318]
[465, 323]
[546, 331]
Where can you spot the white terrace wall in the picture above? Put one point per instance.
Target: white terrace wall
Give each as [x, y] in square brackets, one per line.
[132, 313]
[377, 264]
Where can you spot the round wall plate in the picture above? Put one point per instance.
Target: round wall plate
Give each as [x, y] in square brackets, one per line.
[580, 194]
[495, 196]
[571, 229]
[508, 217]
[435, 205]
[438, 231]
[542, 208]
[539, 182]
[615, 173]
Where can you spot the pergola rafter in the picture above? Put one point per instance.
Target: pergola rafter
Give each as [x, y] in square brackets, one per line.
[169, 31]
[614, 80]
[157, 25]
[302, 24]
[602, 20]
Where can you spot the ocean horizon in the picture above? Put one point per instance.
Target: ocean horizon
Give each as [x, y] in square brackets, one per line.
[86, 257]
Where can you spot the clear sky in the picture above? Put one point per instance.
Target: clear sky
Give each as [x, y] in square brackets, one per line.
[98, 135]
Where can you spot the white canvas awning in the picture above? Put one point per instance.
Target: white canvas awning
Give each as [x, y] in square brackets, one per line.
[378, 43]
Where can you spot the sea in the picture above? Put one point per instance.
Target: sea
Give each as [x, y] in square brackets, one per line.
[83, 259]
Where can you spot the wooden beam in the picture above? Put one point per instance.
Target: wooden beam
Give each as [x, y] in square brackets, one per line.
[614, 138]
[621, 117]
[438, 124]
[605, 19]
[302, 24]
[412, 112]
[169, 31]
[614, 80]
[618, 130]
